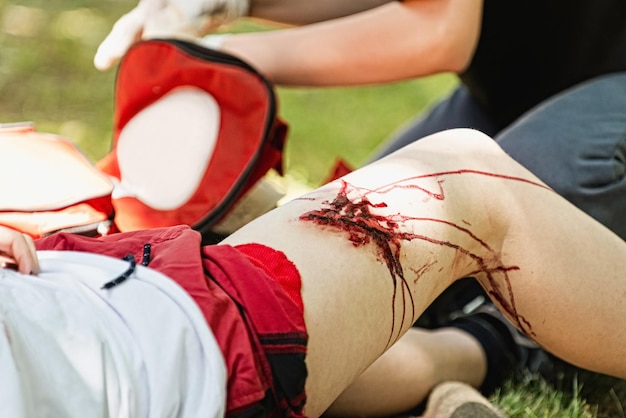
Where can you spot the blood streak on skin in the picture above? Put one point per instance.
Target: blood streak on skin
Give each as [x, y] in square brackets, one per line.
[363, 227]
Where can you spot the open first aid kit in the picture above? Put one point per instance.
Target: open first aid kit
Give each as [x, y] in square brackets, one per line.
[195, 132]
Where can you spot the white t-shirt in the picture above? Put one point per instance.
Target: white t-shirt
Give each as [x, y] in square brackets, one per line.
[70, 349]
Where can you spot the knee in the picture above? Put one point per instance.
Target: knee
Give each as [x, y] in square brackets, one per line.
[460, 141]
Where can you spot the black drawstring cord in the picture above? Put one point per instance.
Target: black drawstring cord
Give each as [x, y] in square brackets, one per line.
[146, 255]
[122, 277]
[145, 259]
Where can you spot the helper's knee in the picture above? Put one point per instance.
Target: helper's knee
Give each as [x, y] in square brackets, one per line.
[594, 181]
[600, 192]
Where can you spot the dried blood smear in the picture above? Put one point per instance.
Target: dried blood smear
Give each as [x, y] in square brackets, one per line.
[356, 218]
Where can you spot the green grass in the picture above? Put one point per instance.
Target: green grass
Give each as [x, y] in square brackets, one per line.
[349, 122]
[541, 400]
[577, 394]
[47, 76]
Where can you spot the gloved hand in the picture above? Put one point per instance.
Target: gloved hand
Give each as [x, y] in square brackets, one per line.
[166, 18]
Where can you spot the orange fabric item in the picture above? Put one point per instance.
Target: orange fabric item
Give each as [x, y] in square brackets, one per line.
[49, 185]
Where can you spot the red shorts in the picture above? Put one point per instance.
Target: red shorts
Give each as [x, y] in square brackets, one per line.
[250, 297]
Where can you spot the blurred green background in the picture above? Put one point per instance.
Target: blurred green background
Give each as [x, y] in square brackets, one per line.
[47, 76]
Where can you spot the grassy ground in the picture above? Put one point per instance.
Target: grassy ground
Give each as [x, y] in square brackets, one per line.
[578, 394]
[46, 76]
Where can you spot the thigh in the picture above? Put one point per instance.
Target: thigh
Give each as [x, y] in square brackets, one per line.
[459, 110]
[576, 143]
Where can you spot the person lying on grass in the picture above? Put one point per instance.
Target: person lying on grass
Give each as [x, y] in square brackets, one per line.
[285, 315]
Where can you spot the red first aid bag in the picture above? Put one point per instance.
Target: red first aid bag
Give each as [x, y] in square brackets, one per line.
[48, 185]
[194, 130]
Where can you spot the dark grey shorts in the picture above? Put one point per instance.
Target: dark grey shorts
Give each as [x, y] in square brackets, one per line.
[574, 141]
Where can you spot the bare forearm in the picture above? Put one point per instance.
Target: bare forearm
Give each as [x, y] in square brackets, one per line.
[299, 12]
[393, 42]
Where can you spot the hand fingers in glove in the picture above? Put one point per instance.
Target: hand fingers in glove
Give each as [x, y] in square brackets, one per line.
[165, 18]
[126, 31]
[151, 18]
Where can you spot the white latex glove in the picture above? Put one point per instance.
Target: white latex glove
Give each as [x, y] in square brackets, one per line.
[166, 18]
